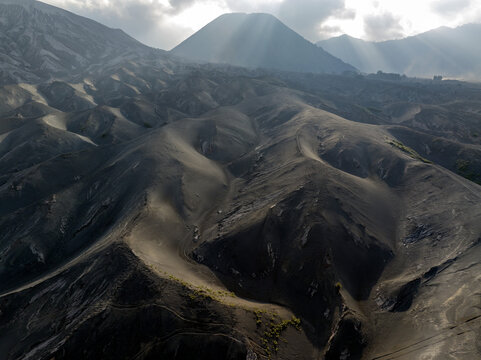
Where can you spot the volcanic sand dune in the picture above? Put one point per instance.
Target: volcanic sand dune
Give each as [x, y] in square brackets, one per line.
[292, 208]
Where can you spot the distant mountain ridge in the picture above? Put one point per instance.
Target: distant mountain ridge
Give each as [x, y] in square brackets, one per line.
[443, 51]
[257, 41]
[38, 41]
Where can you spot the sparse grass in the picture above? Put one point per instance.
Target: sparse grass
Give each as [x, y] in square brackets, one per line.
[462, 165]
[411, 152]
[207, 293]
[258, 314]
[270, 324]
[464, 169]
[273, 326]
[374, 110]
[203, 292]
[199, 292]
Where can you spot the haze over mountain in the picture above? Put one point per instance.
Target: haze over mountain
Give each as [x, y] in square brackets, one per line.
[448, 52]
[257, 41]
[152, 208]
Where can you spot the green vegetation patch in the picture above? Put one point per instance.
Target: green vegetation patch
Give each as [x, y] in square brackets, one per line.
[464, 168]
[207, 293]
[272, 327]
[374, 110]
[203, 292]
[198, 292]
[269, 324]
[411, 152]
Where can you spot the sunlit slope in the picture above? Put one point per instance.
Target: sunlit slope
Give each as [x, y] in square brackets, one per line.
[448, 52]
[205, 209]
[257, 41]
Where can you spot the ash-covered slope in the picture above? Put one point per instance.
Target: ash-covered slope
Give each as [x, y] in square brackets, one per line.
[38, 41]
[151, 209]
[257, 41]
[197, 212]
[444, 51]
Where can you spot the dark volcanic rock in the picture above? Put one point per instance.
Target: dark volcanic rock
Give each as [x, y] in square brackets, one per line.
[348, 342]
[405, 296]
[92, 298]
[421, 232]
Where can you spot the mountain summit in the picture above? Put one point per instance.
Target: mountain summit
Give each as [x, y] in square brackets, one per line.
[257, 41]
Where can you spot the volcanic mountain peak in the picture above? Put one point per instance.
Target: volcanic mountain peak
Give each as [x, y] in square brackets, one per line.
[257, 41]
[33, 4]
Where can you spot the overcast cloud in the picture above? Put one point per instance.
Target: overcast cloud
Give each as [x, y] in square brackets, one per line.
[449, 7]
[165, 23]
[384, 26]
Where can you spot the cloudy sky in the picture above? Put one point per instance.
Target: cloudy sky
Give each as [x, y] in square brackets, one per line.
[165, 23]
